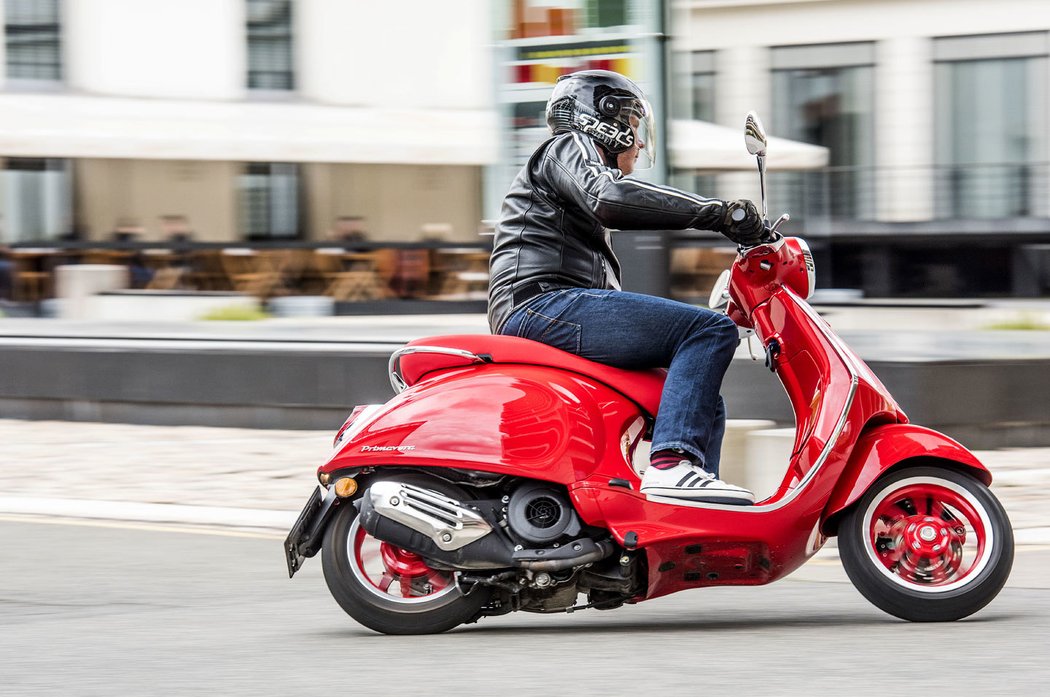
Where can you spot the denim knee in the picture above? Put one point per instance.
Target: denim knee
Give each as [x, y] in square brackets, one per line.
[727, 326]
[714, 325]
[723, 331]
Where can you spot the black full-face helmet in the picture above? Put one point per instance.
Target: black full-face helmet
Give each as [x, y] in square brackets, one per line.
[606, 106]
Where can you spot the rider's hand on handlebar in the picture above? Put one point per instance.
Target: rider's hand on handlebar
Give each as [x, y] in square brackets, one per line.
[743, 223]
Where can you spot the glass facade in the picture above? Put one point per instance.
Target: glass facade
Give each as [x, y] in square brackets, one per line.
[694, 93]
[270, 61]
[991, 141]
[694, 99]
[32, 33]
[824, 95]
[269, 200]
[36, 199]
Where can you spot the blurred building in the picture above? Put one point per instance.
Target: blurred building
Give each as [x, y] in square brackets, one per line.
[935, 116]
[272, 119]
[251, 119]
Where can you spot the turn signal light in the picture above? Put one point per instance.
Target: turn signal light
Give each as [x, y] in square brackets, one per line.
[345, 487]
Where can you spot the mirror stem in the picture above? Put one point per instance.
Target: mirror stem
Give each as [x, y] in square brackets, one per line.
[762, 184]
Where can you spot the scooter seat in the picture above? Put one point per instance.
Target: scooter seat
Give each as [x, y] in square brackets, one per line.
[641, 386]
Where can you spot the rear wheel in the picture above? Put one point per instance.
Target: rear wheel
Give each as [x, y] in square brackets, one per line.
[389, 589]
[927, 544]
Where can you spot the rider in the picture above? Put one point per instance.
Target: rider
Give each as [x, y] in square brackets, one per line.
[555, 279]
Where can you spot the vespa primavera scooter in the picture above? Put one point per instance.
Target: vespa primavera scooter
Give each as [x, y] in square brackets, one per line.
[503, 476]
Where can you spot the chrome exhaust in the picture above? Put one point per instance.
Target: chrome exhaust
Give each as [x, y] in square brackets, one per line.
[446, 522]
[443, 530]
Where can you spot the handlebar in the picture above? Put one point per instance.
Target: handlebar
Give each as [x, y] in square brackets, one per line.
[772, 235]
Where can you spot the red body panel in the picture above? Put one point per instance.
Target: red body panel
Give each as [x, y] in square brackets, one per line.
[523, 409]
[515, 419]
[642, 386]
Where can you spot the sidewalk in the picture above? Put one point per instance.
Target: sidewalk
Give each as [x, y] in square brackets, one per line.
[883, 329]
[260, 478]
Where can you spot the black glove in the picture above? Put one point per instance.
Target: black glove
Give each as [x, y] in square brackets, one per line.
[743, 223]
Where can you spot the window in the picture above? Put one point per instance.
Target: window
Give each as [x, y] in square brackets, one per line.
[270, 65]
[695, 96]
[606, 13]
[33, 40]
[694, 99]
[824, 95]
[991, 101]
[269, 200]
[36, 199]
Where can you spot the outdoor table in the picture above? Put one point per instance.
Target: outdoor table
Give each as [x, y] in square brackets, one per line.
[30, 276]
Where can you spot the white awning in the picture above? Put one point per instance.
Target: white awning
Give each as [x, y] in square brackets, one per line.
[38, 125]
[34, 125]
[700, 145]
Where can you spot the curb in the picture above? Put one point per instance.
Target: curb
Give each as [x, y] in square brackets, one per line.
[150, 512]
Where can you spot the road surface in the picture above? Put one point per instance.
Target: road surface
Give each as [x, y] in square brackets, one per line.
[95, 608]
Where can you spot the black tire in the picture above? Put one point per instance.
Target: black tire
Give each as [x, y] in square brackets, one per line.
[349, 585]
[911, 589]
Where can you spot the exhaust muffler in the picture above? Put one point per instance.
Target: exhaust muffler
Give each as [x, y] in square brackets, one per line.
[432, 525]
[443, 530]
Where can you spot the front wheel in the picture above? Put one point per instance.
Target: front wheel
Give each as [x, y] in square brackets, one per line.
[389, 589]
[927, 544]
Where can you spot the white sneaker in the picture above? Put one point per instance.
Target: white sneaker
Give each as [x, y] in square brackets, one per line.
[689, 481]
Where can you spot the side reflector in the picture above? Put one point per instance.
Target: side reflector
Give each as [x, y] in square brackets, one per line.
[345, 487]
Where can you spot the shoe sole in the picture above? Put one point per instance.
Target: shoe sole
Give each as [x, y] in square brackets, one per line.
[723, 497]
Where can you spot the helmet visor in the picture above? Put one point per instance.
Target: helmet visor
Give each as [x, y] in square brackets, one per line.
[639, 114]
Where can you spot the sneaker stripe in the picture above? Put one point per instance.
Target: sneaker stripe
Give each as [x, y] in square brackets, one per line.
[682, 482]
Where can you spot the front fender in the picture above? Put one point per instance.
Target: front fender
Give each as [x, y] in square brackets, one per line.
[881, 448]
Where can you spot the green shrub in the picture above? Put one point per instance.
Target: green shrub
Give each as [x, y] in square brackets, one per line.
[1022, 322]
[235, 313]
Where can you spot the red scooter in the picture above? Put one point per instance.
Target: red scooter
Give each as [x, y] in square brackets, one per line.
[502, 477]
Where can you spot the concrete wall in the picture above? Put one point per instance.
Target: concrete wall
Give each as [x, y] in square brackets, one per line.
[396, 200]
[248, 388]
[983, 404]
[144, 190]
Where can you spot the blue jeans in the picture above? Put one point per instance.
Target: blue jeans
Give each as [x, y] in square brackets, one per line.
[633, 331]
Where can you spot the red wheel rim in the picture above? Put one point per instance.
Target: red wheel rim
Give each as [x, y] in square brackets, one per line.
[395, 573]
[928, 534]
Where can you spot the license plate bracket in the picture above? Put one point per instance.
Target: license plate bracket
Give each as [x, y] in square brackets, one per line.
[299, 537]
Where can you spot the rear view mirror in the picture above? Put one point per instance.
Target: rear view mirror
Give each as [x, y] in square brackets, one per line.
[755, 135]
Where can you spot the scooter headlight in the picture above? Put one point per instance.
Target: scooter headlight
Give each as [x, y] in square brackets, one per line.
[720, 291]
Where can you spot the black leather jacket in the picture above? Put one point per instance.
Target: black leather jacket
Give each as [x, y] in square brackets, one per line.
[553, 229]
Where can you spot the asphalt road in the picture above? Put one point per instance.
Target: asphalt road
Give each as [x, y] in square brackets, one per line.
[120, 609]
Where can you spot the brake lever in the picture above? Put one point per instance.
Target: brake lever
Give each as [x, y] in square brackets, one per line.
[775, 227]
[772, 234]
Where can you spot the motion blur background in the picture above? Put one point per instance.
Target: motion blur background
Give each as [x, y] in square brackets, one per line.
[306, 163]
[128, 127]
[326, 173]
